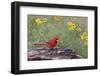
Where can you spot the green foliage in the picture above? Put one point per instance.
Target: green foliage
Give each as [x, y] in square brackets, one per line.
[48, 29]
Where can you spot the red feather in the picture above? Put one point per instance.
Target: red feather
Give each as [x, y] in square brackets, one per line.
[52, 43]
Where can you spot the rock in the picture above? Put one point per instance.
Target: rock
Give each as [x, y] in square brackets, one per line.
[52, 54]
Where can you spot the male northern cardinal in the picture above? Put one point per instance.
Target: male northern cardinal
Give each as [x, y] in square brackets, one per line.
[50, 43]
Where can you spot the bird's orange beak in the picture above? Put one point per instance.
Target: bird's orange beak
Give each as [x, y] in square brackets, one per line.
[57, 40]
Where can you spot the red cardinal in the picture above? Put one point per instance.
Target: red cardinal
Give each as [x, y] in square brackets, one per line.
[50, 43]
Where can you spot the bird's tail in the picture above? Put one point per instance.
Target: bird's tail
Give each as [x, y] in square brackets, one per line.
[40, 43]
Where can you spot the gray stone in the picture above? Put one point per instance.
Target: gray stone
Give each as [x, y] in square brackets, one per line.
[52, 54]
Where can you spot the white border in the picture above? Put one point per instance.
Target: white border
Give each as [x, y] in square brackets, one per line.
[26, 65]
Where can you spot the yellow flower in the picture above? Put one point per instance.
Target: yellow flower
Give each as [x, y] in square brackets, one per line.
[78, 29]
[71, 26]
[69, 23]
[45, 20]
[84, 36]
[57, 18]
[38, 21]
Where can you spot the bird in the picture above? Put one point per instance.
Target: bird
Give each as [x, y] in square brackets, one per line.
[51, 44]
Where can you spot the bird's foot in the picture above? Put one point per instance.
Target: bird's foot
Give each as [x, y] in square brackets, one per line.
[55, 48]
[51, 50]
